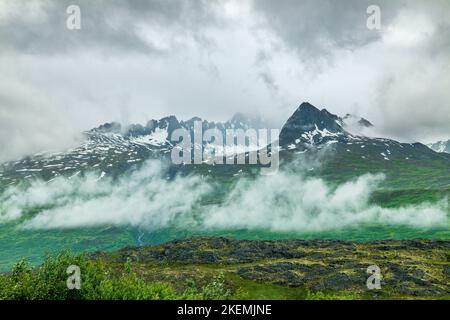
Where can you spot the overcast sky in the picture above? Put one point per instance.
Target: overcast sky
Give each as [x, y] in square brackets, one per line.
[137, 60]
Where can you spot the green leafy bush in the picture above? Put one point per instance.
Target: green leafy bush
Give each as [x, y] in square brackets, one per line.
[48, 282]
[216, 290]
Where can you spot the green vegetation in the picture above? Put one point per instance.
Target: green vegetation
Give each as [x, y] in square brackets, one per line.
[99, 282]
[407, 182]
[401, 174]
[222, 268]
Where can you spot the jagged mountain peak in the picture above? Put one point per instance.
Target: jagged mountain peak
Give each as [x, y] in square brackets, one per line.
[109, 127]
[158, 133]
[112, 148]
[308, 115]
[247, 121]
[365, 123]
[308, 121]
[440, 146]
[311, 128]
[351, 120]
[170, 123]
[306, 106]
[307, 118]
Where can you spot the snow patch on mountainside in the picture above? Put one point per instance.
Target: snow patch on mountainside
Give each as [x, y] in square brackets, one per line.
[440, 146]
[158, 138]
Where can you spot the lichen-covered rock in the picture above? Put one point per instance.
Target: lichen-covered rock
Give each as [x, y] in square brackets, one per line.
[412, 268]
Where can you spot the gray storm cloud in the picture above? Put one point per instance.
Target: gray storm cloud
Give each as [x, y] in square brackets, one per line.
[137, 60]
[40, 26]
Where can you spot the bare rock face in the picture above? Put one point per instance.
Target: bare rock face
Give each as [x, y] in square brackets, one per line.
[409, 268]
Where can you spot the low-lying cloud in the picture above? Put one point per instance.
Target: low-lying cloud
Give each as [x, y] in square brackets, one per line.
[287, 202]
[149, 200]
[145, 198]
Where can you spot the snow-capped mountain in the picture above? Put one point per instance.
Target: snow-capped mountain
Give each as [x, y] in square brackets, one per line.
[111, 149]
[440, 146]
[310, 128]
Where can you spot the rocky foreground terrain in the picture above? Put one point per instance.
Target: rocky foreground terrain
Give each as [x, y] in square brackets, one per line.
[297, 269]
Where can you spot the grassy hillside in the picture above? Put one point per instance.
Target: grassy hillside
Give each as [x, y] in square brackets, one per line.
[407, 182]
[222, 268]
